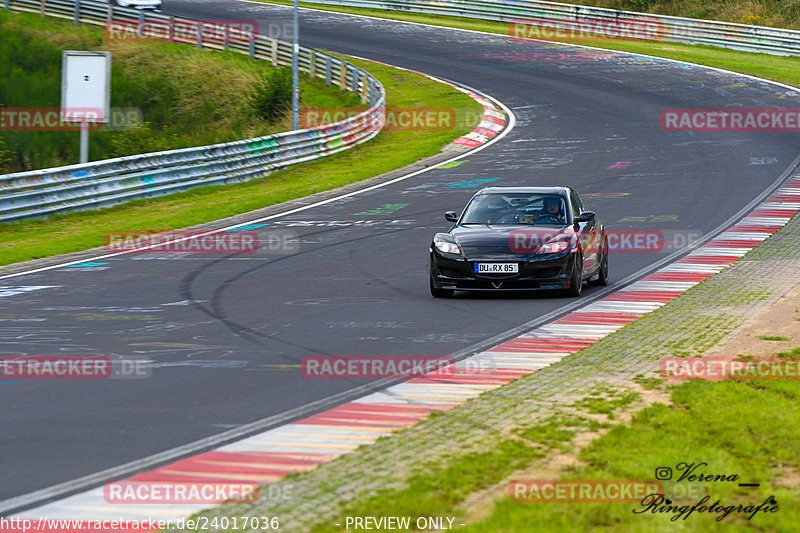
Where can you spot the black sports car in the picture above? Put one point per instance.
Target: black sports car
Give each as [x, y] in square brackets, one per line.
[520, 238]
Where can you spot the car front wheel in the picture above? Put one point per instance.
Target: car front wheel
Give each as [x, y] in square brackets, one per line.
[602, 274]
[576, 279]
[440, 293]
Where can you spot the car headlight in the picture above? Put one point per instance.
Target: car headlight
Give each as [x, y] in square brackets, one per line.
[553, 247]
[556, 247]
[447, 247]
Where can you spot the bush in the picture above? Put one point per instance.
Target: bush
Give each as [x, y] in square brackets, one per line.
[272, 96]
[141, 139]
[4, 155]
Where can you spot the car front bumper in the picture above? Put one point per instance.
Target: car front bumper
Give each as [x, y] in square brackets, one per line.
[545, 273]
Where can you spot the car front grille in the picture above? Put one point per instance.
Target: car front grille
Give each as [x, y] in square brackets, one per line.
[503, 284]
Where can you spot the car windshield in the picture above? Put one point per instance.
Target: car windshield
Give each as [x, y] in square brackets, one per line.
[516, 208]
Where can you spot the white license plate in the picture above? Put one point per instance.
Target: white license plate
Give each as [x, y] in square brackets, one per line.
[496, 268]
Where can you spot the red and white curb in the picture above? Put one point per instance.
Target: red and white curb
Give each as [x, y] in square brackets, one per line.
[492, 123]
[268, 457]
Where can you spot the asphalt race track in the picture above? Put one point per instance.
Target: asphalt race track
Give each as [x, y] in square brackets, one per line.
[227, 333]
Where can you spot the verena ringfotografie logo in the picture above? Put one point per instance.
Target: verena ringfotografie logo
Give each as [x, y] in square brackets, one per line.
[158, 492]
[18, 367]
[583, 490]
[207, 31]
[397, 118]
[718, 368]
[633, 28]
[730, 120]
[49, 118]
[375, 366]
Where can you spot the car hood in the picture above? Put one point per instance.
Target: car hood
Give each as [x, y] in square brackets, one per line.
[507, 241]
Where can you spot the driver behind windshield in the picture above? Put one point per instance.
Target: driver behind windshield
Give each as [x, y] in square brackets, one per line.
[552, 211]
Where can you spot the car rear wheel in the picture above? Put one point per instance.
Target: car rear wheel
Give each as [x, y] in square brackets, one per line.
[602, 274]
[576, 279]
[440, 293]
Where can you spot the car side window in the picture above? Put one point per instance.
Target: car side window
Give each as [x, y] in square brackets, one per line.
[577, 205]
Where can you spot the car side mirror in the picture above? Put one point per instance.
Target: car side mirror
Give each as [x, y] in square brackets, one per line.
[586, 216]
[451, 216]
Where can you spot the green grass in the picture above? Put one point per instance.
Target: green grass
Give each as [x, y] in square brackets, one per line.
[605, 401]
[388, 151]
[773, 338]
[776, 68]
[648, 383]
[557, 431]
[186, 96]
[746, 428]
[434, 489]
[778, 13]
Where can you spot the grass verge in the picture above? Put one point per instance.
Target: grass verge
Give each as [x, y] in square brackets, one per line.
[779, 13]
[388, 151]
[734, 428]
[163, 95]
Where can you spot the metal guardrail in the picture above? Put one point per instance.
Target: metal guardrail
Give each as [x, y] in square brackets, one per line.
[104, 183]
[570, 18]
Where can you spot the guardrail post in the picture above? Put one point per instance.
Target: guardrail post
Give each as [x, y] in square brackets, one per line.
[42, 8]
[355, 81]
[171, 30]
[110, 12]
[200, 35]
[343, 77]
[76, 14]
[225, 37]
[252, 46]
[372, 98]
[312, 69]
[365, 91]
[328, 69]
[274, 54]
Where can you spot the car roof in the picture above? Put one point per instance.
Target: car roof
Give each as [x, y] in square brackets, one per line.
[525, 190]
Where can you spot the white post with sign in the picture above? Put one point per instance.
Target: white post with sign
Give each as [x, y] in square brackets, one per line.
[85, 91]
